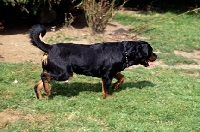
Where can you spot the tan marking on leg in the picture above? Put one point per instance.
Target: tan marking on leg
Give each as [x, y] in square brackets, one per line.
[47, 88]
[103, 89]
[38, 87]
[44, 59]
[120, 80]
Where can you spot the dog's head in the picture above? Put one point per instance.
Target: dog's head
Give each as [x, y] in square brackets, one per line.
[141, 53]
[147, 54]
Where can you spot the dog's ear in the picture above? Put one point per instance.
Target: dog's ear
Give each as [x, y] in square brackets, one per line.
[139, 49]
[146, 50]
[132, 50]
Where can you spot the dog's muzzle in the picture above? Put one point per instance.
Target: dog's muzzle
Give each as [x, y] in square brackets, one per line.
[152, 58]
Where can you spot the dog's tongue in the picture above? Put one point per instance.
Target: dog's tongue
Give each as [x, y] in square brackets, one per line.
[151, 65]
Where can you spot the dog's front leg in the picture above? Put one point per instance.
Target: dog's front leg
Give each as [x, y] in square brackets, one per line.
[120, 80]
[37, 88]
[105, 87]
[46, 79]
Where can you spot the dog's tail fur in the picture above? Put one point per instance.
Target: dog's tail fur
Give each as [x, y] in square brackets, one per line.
[36, 30]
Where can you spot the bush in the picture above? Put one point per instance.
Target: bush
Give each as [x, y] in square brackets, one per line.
[98, 13]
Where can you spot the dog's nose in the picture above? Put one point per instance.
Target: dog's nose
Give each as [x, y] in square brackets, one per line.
[153, 57]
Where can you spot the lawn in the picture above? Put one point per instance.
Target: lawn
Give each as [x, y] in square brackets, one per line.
[158, 99]
[150, 99]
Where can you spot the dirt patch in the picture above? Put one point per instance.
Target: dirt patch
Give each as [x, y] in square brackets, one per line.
[17, 48]
[194, 55]
[8, 116]
[11, 116]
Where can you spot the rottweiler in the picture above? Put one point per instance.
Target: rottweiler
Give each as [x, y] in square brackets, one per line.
[104, 60]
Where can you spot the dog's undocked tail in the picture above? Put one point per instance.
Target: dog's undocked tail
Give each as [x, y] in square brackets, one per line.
[36, 30]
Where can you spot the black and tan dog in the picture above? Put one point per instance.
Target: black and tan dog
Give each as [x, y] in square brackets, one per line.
[103, 60]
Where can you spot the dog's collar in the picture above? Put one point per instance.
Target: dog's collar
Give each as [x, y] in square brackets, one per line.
[126, 59]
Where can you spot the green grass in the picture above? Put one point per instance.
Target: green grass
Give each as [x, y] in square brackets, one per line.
[157, 99]
[61, 37]
[172, 59]
[166, 34]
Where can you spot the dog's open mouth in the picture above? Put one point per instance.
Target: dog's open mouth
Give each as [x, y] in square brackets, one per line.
[145, 63]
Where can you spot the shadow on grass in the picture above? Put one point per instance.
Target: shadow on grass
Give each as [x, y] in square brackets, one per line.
[73, 89]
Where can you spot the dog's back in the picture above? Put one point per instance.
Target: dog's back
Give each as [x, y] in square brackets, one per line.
[90, 60]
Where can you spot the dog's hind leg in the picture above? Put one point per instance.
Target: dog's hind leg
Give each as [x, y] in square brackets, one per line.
[46, 79]
[120, 80]
[44, 58]
[105, 87]
[37, 88]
